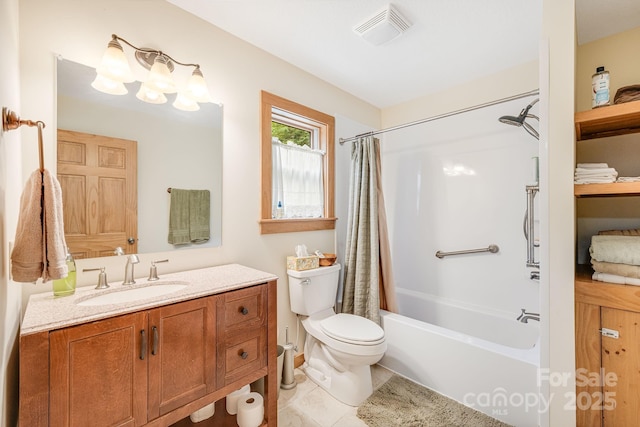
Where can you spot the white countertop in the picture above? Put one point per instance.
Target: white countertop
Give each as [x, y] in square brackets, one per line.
[45, 312]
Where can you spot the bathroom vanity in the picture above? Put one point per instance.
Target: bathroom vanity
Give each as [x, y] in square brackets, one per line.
[114, 357]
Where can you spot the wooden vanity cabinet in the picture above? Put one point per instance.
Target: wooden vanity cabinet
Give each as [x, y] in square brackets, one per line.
[152, 367]
[181, 354]
[97, 375]
[133, 368]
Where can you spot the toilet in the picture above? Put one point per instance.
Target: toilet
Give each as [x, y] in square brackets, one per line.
[340, 348]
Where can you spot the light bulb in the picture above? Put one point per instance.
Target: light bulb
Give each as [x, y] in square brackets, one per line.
[114, 64]
[107, 85]
[185, 103]
[159, 78]
[197, 87]
[152, 96]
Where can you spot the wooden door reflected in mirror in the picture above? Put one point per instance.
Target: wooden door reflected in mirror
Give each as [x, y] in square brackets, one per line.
[98, 177]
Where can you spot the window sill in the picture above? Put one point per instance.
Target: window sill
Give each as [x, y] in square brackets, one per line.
[272, 226]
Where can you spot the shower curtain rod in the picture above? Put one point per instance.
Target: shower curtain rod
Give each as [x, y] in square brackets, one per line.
[442, 116]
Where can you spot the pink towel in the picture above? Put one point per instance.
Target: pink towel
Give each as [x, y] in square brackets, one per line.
[40, 247]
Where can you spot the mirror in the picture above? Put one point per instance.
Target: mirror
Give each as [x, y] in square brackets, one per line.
[175, 149]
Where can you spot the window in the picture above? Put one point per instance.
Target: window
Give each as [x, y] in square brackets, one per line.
[297, 167]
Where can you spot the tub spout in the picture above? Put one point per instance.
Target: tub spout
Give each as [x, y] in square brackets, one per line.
[525, 317]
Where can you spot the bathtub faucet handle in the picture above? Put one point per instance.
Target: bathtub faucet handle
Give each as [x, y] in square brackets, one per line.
[525, 317]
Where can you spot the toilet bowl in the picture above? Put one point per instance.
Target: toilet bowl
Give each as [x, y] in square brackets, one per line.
[339, 348]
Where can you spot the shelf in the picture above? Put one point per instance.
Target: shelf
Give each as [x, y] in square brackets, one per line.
[611, 189]
[617, 119]
[613, 295]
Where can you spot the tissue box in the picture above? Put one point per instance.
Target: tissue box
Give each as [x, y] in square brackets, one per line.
[302, 263]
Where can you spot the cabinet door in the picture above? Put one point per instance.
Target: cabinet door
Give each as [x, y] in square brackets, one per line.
[181, 354]
[97, 374]
[621, 357]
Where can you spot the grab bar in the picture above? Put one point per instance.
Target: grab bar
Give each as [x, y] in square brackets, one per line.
[491, 248]
[529, 226]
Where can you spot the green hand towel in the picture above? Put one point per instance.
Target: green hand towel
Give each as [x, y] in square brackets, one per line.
[199, 213]
[179, 217]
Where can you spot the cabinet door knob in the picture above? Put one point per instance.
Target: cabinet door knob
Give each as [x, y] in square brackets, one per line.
[243, 354]
[156, 339]
[244, 311]
[143, 344]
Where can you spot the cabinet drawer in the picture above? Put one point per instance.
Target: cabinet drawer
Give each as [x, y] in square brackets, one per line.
[242, 354]
[245, 308]
[242, 333]
[244, 358]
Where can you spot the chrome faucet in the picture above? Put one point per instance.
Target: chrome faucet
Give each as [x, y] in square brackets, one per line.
[525, 317]
[128, 269]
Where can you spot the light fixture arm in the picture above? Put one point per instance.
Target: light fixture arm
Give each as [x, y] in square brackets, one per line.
[153, 51]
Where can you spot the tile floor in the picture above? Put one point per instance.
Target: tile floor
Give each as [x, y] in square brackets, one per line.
[308, 405]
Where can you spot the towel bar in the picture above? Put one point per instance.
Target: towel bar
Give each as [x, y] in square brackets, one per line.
[491, 248]
[11, 121]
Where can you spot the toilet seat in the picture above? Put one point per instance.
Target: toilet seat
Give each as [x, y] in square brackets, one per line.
[352, 329]
[347, 344]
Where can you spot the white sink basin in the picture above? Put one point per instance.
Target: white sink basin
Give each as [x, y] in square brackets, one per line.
[133, 294]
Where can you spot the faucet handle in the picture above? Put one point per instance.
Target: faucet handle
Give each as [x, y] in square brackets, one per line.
[102, 277]
[153, 271]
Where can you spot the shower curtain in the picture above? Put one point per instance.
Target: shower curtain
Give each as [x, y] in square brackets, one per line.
[368, 280]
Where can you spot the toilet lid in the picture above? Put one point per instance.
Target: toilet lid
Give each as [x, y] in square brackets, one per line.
[352, 329]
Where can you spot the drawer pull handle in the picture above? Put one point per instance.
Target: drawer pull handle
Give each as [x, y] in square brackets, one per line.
[243, 354]
[143, 344]
[156, 339]
[244, 311]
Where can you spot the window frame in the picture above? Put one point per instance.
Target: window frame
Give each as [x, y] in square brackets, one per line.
[326, 124]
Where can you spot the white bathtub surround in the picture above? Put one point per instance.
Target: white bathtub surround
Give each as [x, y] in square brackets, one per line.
[495, 379]
[455, 184]
[367, 256]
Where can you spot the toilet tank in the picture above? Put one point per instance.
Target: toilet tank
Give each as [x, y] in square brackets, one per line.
[312, 291]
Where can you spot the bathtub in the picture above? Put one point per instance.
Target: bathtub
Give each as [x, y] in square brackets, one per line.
[483, 359]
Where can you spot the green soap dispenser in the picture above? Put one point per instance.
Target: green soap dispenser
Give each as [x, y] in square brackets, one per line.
[66, 285]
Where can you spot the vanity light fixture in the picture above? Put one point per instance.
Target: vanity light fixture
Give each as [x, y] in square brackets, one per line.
[114, 71]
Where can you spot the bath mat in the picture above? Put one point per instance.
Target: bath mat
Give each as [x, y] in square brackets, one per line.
[400, 402]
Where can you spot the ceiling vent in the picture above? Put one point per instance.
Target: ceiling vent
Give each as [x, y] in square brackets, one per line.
[383, 26]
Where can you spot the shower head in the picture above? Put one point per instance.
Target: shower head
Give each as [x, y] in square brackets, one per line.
[512, 120]
[520, 120]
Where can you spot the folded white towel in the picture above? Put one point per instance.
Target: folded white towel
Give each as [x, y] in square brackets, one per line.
[616, 249]
[590, 172]
[614, 278]
[628, 179]
[595, 180]
[40, 248]
[592, 165]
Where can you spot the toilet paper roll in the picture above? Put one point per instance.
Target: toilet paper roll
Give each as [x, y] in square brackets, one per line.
[233, 397]
[250, 410]
[203, 413]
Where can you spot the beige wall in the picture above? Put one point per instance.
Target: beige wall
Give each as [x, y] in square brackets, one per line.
[618, 54]
[519, 79]
[10, 186]
[236, 72]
